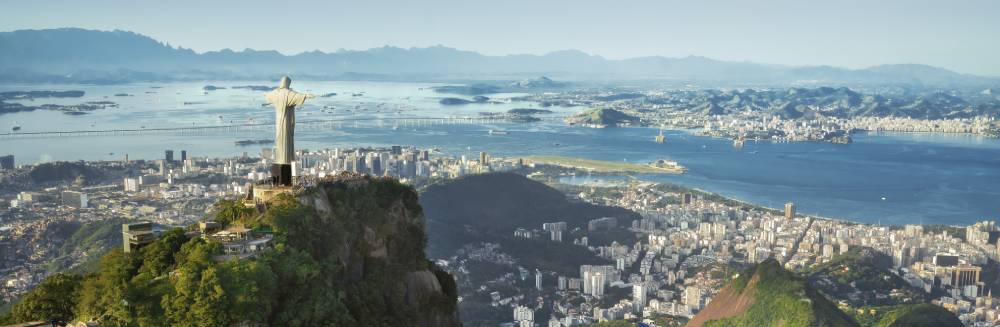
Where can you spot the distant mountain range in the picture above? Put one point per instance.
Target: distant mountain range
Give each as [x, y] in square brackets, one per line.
[79, 55]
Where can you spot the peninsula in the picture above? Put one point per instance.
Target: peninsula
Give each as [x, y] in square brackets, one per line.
[600, 166]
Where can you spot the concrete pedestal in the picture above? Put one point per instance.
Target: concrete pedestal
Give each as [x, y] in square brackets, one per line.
[281, 174]
[264, 193]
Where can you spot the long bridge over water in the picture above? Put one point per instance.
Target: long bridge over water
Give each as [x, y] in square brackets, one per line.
[304, 125]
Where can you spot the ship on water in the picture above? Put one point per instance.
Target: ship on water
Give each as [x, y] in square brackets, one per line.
[16, 127]
[497, 132]
[660, 138]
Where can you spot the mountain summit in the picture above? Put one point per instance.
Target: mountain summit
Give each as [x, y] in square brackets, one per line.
[769, 295]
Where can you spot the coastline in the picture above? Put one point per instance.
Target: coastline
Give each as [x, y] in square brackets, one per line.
[767, 208]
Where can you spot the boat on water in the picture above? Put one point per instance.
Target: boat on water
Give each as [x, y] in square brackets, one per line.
[738, 142]
[16, 127]
[497, 132]
[660, 138]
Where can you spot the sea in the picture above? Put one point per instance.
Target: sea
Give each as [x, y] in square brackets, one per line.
[887, 178]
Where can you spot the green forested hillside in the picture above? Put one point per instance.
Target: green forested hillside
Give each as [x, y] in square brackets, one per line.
[861, 276]
[769, 295]
[351, 255]
[912, 315]
[489, 207]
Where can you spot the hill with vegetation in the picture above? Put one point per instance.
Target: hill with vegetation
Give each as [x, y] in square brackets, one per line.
[912, 315]
[64, 172]
[861, 277]
[489, 207]
[603, 117]
[769, 295]
[78, 246]
[348, 252]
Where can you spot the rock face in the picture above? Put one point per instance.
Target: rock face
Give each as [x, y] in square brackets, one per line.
[728, 303]
[769, 295]
[380, 240]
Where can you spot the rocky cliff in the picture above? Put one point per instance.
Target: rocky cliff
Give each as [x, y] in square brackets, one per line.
[380, 242]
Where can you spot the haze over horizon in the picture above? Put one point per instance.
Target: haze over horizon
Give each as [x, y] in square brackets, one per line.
[852, 34]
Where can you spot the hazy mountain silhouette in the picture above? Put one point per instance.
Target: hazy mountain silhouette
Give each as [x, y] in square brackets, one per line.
[79, 55]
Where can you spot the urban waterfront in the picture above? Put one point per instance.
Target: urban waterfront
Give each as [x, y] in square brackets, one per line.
[892, 178]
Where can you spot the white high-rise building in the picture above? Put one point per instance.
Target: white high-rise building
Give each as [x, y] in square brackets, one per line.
[597, 281]
[131, 184]
[538, 279]
[692, 297]
[524, 316]
[639, 296]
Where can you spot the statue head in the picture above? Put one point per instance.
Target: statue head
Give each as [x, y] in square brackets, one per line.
[285, 82]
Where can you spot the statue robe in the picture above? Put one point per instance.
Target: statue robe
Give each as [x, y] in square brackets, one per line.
[285, 101]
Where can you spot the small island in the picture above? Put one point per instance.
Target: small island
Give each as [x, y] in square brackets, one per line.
[258, 88]
[73, 110]
[528, 111]
[28, 95]
[460, 101]
[474, 89]
[531, 84]
[603, 117]
[512, 117]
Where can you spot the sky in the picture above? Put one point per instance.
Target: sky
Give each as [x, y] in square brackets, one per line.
[961, 35]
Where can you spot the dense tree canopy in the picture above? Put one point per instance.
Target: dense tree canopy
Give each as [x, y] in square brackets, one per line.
[53, 299]
[343, 267]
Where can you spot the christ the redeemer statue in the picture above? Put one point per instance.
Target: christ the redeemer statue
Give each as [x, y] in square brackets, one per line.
[285, 101]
